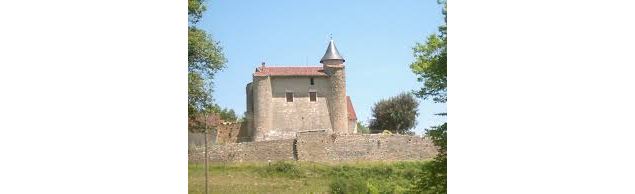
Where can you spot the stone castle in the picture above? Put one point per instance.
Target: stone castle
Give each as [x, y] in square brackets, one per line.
[284, 101]
[303, 114]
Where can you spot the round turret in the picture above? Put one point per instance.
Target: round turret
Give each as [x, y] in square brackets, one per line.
[334, 67]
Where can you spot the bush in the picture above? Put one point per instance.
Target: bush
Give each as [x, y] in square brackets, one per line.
[385, 178]
[433, 175]
[348, 185]
[282, 168]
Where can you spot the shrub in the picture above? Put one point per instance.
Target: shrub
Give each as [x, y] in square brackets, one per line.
[433, 175]
[384, 178]
[348, 185]
[282, 168]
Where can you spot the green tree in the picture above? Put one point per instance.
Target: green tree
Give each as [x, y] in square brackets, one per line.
[397, 114]
[361, 128]
[195, 9]
[433, 176]
[205, 58]
[225, 114]
[431, 63]
[430, 66]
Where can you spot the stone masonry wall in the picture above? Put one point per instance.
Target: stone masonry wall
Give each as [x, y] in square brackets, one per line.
[365, 147]
[274, 150]
[249, 113]
[232, 132]
[262, 107]
[301, 114]
[337, 97]
[324, 147]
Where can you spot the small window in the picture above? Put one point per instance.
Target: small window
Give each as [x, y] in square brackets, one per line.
[289, 96]
[312, 83]
[313, 96]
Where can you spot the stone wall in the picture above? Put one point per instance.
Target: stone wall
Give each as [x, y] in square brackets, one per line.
[261, 91]
[198, 139]
[367, 147]
[301, 114]
[249, 113]
[274, 150]
[337, 96]
[324, 147]
[232, 132]
[352, 126]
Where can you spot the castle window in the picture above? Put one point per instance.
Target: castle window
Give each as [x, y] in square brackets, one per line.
[313, 96]
[312, 83]
[289, 96]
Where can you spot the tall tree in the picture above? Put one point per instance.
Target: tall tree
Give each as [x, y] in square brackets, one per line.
[431, 68]
[205, 58]
[397, 114]
[225, 114]
[431, 63]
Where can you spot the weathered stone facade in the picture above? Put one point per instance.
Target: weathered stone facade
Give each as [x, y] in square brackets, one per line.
[249, 114]
[366, 147]
[262, 106]
[301, 114]
[231, 132]
[337, 96]
[323, 147]
[274, 150]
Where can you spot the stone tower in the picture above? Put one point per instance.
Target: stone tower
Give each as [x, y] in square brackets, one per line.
[333, 64]
[262, 106]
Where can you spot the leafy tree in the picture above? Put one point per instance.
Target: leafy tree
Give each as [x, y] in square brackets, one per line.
[225, 114]
[433, 177]
[205, 58]
[431, 62]
[361, 128]
[396, 114]
[195, 9]
[431, 68]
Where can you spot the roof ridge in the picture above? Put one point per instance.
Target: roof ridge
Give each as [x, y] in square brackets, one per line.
[290, 71]
[295, 66]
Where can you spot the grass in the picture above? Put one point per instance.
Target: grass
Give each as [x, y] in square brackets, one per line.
[305, 177]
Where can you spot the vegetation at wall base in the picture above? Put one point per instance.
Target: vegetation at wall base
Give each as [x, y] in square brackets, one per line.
[433, 176]
[361, 128]
[307, 177]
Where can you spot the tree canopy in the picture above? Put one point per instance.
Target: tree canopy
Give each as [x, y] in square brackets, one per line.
[430, 63]
[396, 114]
[205, 58]
[195, 9]
[225, 114]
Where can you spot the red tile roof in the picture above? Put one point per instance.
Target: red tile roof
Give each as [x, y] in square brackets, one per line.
[351, 111]
[289, 71]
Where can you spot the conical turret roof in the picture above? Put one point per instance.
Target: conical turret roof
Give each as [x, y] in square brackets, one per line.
[331, 53]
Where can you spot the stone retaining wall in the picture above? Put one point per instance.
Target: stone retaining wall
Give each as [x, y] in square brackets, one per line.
[245, 152]
[232, 132]
[323, 147]
[367, 147]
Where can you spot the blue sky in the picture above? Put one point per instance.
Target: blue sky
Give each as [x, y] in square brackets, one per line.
[375, 38]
